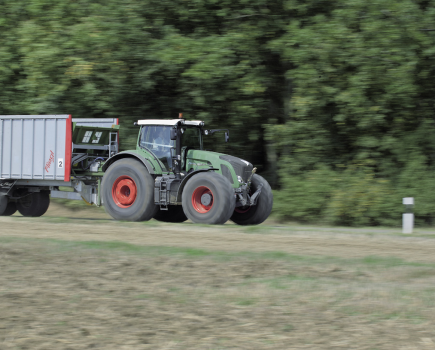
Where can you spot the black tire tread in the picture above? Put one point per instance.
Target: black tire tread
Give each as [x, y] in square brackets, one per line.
[39, 206]
[224, 190]
[260, 212]
[142, 211]
[7, 208]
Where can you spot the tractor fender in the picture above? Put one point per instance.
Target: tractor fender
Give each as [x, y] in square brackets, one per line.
[127, 154]
[187, 177]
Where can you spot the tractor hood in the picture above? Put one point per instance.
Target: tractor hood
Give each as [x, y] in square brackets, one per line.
[241, 167]
[229, 166]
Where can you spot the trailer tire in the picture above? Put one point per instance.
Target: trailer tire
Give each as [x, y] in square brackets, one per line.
[258, 213]
[208, 198]
[128, 191]
[174, 213]
[35, 204]
[7, 208]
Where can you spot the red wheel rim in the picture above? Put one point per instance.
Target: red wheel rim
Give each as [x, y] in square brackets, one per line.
[196, 199]
[124, 191]
[240, 210]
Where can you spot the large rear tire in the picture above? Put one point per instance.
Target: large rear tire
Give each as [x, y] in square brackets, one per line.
[35, 204]
[128, 191]
[258, 213]
[7, 208]
[174, 213]
[208, 198]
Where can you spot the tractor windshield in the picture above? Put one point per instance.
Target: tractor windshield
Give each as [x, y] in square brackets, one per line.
[157, 139]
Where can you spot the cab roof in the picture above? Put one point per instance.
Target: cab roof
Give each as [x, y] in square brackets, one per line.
[169, 122]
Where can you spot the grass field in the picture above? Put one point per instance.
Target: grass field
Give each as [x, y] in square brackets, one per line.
[69, 283]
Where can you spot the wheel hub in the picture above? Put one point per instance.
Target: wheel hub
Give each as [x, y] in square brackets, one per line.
[206, 199]
[202, 199]
[26, 202]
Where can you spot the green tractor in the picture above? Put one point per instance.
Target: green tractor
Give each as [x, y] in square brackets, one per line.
[171, 178]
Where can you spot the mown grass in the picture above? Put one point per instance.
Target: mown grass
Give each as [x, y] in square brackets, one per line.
[119, 246]
[272, 293]
[256, 229]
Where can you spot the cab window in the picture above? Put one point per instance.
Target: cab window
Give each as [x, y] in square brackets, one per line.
[191, 138]
[157, 139]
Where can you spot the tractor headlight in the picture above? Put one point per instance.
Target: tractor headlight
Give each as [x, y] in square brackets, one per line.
[240, 179]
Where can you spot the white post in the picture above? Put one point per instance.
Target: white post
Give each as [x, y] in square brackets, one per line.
[408, 216]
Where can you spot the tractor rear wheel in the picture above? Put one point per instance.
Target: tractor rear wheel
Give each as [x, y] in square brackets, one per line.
[256, 214]
[174, 213]
[34, 204]
[7, 208]
[208, 198]
[128, 191]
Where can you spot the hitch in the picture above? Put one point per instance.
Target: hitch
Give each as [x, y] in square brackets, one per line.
[248, 183]
[254, 197]
[245, 199]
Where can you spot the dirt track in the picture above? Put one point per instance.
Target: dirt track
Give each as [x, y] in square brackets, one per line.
[69, 294]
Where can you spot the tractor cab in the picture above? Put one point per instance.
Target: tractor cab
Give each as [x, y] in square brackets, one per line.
[165, 137]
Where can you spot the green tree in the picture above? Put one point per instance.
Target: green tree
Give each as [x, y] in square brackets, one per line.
[362, 93]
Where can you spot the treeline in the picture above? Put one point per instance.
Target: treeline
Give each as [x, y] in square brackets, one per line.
[334, 102]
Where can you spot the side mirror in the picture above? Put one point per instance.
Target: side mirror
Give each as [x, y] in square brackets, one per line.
[173, 134]
[227, 136]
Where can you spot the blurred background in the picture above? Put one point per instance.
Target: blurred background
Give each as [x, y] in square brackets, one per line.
[333, 101]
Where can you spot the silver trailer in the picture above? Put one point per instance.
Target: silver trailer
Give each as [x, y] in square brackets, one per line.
[35, 147]
[39, 154]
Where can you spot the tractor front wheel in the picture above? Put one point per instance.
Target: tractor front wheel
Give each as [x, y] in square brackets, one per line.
[256, 214]
[7, 208]
[208, 198]
[128, 191]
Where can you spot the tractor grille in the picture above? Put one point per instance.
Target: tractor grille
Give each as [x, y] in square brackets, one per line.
[241, 167]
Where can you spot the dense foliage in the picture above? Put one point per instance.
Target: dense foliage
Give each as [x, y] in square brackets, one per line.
[333, 101]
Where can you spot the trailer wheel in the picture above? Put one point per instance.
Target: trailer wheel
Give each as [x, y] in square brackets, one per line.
[208, 198]
[128, 191]
[256, 214]
[7, 208]
[35, 204]
[174, 213]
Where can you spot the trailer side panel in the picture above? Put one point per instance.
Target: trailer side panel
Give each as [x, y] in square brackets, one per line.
[35, 147]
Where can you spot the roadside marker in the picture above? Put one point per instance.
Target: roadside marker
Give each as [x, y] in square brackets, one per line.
[408, 216]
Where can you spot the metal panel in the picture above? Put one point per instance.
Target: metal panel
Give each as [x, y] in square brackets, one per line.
[60, 149]
[6, 155]
[38, 149]
[66, 195]
[1, 144]
[49, 116]
[27, 160]
[50, 149]
[17, 144]
[102, 122]
[43, 183]
[32, 146]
